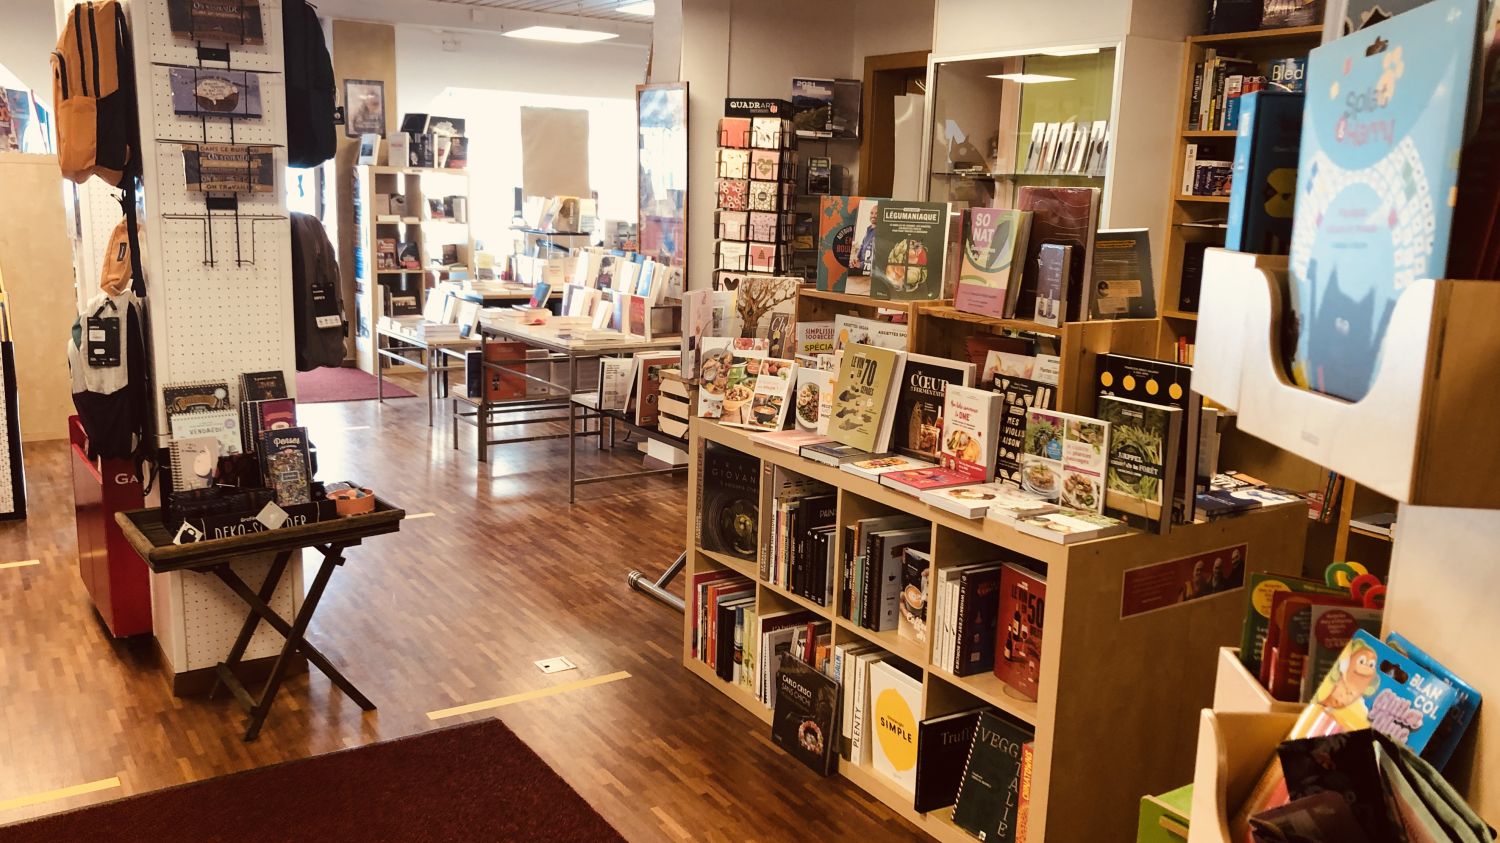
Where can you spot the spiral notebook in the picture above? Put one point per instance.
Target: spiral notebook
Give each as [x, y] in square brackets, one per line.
[193, 462]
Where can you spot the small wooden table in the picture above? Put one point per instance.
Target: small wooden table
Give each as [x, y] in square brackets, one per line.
[144, 530]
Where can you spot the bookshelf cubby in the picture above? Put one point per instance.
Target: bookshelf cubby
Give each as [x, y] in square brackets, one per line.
[1117, 710]
[1193, 219]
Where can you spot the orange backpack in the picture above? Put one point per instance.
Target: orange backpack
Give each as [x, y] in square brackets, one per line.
[93, 88]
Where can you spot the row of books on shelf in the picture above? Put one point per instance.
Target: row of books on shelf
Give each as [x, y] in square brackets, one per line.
[605, 270]
[394, 254]
[451, 208]
[1382, 717]
[1069, 148]
[1045, 259]
[857, 704]
[1220, 80]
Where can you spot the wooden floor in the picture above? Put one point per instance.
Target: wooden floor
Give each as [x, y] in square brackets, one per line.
[452, 610]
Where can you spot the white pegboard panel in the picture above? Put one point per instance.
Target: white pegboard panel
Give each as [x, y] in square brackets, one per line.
[173, 198]
[166, 48]
[99, 212]
[212, 614]
[171, 126]
[225, 319]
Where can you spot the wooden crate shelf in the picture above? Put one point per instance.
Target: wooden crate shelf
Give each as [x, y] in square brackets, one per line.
[1260, 36]
[1097, 695]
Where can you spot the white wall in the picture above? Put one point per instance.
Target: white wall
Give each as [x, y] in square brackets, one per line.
[979, 26]
[28, 31]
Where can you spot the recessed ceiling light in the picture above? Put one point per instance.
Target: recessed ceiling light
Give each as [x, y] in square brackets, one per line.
[645, 8]
[1081, 51]
[1030, 78]
[560, 35]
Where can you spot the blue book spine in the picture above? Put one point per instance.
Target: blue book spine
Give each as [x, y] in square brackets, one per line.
[1264, 176]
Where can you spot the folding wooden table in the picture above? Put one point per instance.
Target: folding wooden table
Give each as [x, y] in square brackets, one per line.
[144, 530]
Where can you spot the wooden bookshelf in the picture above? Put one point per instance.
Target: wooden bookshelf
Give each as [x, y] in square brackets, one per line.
[1116, 714]
[814, 305]
[416, 184]
[1187, 215]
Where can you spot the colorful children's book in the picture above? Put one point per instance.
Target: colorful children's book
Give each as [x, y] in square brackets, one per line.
[1378, 169]
[1263, 587]
[992, 258]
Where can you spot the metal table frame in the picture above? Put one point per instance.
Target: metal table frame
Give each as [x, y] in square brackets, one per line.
[429, 358]
[487, 415]
[589, 402]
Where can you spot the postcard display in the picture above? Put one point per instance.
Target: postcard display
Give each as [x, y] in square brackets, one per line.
[220, 301]
[756, 187]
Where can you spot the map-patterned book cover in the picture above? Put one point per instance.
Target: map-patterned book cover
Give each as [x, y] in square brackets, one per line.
[1378, 171]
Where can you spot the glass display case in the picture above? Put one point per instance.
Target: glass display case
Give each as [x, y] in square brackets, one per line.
[999, 121]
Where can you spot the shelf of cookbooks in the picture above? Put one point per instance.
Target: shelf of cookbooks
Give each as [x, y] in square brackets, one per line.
[875, 537]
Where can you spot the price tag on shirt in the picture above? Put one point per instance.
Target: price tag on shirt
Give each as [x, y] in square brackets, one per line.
[325, 307]
[102, 341]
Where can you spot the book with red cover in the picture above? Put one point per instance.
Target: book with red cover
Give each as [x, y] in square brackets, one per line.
[915, 480]
[1287, 639]
[1066, 216]
[1018, 639]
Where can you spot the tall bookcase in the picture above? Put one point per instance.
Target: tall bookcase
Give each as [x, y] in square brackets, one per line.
[1116, 713]
[415, 224]
[1202, 219]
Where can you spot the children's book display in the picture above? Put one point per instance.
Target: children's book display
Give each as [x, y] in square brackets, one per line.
[1383, 128]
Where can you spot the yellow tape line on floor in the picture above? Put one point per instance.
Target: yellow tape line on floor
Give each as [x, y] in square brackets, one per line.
[20, 564]
[63, 793]
[527, 695]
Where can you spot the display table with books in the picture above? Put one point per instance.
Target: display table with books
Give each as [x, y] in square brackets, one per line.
[424, 354]
[147, 533]
[779, 544]
[563, 342]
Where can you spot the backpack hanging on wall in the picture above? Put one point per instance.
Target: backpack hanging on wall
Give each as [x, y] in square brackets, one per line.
[317, 306]
[93, 87]
[310, 135]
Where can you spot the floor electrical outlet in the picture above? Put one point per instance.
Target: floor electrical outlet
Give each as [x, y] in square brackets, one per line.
[555, 665]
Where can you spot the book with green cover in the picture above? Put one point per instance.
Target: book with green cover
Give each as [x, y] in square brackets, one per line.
[989, 793]
[1141, 479]
[911, 250]
[991, 259]
[862, 397]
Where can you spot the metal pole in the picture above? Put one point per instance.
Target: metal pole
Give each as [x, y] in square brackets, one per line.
[657, 589]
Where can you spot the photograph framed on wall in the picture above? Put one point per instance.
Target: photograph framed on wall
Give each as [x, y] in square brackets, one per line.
[364, 107]
[662, 167]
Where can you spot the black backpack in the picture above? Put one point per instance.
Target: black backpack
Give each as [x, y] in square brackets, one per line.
[310, 135]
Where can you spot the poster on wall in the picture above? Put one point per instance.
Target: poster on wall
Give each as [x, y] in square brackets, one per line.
[364, 105]
[662, 159]
[228, 168]
[224, 21]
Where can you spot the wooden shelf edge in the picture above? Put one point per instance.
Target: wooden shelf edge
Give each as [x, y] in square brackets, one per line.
[1180, 314]
[1208, 133]
[733, 563]
[991, 689]
[1181, 197]
[746, 699]
[1287, 33]
[864, 301]
[948, 311]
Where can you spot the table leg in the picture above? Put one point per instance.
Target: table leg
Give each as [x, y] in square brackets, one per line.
[379, 373]
[430, 386]
[481, 424]
[572, 446]
[247, 630]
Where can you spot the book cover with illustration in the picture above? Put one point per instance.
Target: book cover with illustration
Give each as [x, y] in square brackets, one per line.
[728, 522]
[216, 92]
[772, 380]
[918, 428]
[1019, 395]
[896, 702]
[1170, 385]
[813, 386]
[1065, 459]
[286, 464]
[836, 218]
[1377, 171]
[1018, 645]
[1142, 478]
[805, 721]
[862, 397]
[916, 576]
[1063, 215]
[911, 251]
[991, 260]
[971, 426]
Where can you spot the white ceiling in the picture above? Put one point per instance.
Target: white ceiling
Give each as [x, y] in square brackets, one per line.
[602, 9]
